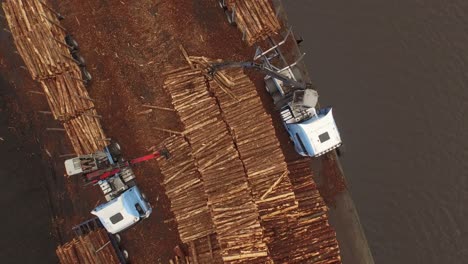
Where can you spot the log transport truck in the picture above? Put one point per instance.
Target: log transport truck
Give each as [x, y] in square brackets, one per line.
[126, 204]
[313, 131]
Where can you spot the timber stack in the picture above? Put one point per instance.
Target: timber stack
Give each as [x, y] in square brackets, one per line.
[315, 240]
[205, 250]
[234, 213]
[292, 213]
[259, 152]
[298, 234]
[40, 41]
[184, 187]
[256, 19]
[94, 247]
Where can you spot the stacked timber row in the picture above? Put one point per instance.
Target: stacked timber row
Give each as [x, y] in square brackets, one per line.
[93, 247]
[314, 239]
[234, 213]
[294, 234]
[184, 187]
[205, 250]
[40, 41]
[254, 135]
[255, 18]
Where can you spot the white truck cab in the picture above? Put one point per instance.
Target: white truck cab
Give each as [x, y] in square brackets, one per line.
[312, 130]
[125, 205]
[124, 211]
[315, 136]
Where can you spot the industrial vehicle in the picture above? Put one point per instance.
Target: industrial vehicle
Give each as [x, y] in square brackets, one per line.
[126, 204]
[313, 131]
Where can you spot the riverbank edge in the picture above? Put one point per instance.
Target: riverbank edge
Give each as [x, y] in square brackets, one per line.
[344, 216]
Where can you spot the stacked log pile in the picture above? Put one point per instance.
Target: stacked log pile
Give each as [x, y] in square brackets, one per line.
[297, 234]
[66, 95]
[40, 41]
[315, 240]
[255, 18]
[205, 250]
[38, 37]
[184, 187]
[93, 247]
[254, 135]
[234, 213]
[294, 234]
[189, 203]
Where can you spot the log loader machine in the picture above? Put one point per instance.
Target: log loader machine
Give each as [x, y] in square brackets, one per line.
[313, 132]
[126, 204]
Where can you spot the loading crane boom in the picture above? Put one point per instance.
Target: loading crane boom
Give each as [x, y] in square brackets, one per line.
[260, 67]
[313, 132]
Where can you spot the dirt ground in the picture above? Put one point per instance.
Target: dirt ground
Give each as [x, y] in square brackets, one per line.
[127, 45]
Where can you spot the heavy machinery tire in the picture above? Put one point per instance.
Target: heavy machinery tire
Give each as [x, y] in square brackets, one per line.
[114, 150]
[222, 5]
[117, 238]
[71, 42]
[230, 19]
[125, 253]
[144, 196]
[79, 59]
[85, 75]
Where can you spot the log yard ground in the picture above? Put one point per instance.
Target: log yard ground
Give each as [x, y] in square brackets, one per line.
[133, 50]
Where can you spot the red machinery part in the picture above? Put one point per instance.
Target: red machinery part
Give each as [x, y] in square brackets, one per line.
[100, 175]
[145, 158]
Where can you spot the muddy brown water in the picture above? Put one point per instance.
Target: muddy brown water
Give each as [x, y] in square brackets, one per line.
[396, 73]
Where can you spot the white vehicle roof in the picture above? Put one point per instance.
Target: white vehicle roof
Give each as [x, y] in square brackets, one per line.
[73, 166]
[322, 133]
[116, 215]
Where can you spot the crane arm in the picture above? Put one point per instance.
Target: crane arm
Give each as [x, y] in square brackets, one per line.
[260, 67]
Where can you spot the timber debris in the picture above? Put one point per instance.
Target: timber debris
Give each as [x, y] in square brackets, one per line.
[40, 41]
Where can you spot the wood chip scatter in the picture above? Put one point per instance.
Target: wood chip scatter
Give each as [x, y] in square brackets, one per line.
[234, 213]
[256, 18]
[93, 247]
[40, 41]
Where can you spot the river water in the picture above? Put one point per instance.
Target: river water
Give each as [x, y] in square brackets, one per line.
[25, 225]
[396, 74]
